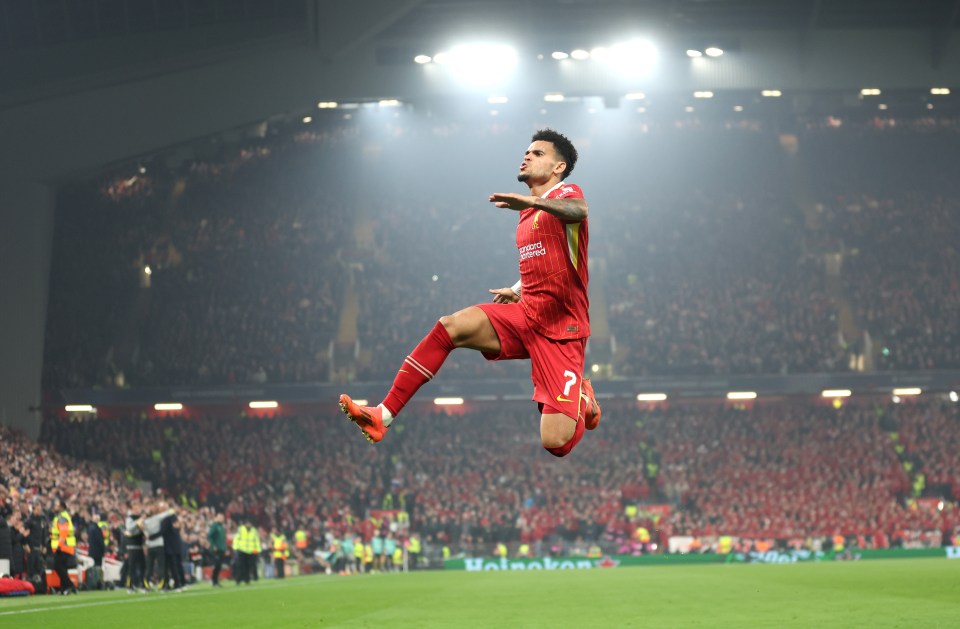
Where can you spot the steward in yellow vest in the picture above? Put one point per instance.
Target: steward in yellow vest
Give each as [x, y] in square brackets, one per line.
[280, 552]
[63, 543]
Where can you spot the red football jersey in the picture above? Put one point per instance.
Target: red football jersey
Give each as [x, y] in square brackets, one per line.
[553, 269]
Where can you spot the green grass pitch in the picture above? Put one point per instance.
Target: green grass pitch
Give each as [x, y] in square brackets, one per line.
[898, 593]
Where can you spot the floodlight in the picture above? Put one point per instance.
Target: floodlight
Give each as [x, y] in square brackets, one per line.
[771, 93]
[79, 408]
[703, 94]
[693, 54]
[651, 397]
[831, 393]
[713, 51]
[168, 406]
[264, 404]
[421, 59]
[559, 55]
[448, 401]
[580, 54]
[479, 63]
[553, 98]
[633, 57]
[742, 395]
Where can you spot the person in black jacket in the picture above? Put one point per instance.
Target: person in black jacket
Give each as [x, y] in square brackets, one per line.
[135, 562]
[173, 548]
[37, 530]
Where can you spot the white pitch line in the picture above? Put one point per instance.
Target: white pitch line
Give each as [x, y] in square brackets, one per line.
[143, 598]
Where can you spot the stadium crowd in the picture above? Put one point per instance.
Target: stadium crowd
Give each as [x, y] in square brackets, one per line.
[710, 267]
[781, 470]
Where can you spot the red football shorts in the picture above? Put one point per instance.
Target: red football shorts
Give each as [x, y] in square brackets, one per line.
[555, 366]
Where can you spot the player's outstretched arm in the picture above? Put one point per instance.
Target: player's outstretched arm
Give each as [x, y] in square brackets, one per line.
[569, 209]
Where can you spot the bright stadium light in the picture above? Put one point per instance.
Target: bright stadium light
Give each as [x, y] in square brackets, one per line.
[448, 401]
[882, 106]
[829, 393]
[147, 270]
[422, 59]
[168, 406]
[693, 54]
[580, 54]
[79, 408]
[389, 102]
[307, 120]
[738, 108]
[559, 55]
[954, 396]
[870, 91]
[554, 97]
[479, 64]
[771, 93]
[497, 100]
[940, 91]
[361, 402]
[908, 391]
[264, 404]
[630, 58]
[742, 395]
[703, 94]
[327, 104]
[713, 51]
[651, 397]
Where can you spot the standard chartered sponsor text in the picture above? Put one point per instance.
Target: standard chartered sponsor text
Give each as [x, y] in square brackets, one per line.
[532, 250]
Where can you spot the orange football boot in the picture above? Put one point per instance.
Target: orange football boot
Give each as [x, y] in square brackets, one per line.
[591, 417]
[369, 419]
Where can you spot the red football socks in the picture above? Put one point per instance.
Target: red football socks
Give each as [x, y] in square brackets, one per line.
[418, 368]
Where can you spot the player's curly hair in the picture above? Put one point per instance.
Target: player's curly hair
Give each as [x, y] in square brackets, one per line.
[562, 144]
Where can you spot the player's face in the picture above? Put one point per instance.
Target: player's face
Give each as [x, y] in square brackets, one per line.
[540, 162]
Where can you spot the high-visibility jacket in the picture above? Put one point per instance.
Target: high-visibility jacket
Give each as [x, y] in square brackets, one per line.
[358, 548]
[367, 553]
[105, 529]
[524, 550]
[642, 534]
[300, 539]
[246, 540]
[501, 550]
[279, 546]
[413, 545]
[62, 535]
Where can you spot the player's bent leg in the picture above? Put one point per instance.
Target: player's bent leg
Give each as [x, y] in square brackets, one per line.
[559, 434]
[471, 328]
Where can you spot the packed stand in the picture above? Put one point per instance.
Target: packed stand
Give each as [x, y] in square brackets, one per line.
[780, 470]
[895, 214]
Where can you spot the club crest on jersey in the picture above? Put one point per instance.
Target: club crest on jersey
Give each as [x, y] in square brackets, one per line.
[536, 220]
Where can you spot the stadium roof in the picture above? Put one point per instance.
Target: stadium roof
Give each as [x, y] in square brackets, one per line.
[437, 16]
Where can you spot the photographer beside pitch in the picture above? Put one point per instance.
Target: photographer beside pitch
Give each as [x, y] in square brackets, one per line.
[544, 317]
